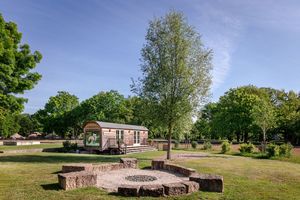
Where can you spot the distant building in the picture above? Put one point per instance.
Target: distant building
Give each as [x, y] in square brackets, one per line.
[104, 135]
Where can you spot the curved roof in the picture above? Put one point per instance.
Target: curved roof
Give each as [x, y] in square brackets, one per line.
[120, 126]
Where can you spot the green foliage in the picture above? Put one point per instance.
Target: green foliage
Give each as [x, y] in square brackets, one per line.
[16, 63]
[176, 142]
[176, 72]
[105, 106]
[285, 150]
[272, 150]
[27, 124]
[226, 146]
[194, 144]
[69, 146]
[150, 141]
[247, 148]
[207, 145]
[54, 116]
[263, 115]
[8, 123]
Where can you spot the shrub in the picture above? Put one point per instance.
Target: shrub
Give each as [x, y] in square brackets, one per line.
[176, 142]
[68, 146]
[207, 145]
[150, 141]
[194, 144]
[226, 146]
[247, 148]
[272, 150]
[285, 149]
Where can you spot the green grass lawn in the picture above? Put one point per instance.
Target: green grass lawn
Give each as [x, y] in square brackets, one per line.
[34, 176]
[36, 146]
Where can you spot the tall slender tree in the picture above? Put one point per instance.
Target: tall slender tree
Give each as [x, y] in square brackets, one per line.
[176, 72]
[16, 63]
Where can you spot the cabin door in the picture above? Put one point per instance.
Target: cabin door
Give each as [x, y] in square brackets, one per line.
[136, 138]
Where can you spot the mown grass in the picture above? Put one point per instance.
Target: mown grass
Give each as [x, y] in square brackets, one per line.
[34, 176]
[35, 146]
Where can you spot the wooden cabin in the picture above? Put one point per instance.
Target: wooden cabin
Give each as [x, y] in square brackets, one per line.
[104, 136]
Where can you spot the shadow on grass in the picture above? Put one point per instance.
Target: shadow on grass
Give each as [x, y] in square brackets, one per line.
[51, 186]
[57, 172]
[57, 158]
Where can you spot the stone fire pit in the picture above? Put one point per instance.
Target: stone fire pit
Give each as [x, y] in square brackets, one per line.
[140, 178]
[164, 179]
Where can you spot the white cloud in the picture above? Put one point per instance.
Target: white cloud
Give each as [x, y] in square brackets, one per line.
[220, 30]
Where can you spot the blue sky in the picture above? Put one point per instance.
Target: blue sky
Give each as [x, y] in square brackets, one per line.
[90, 46]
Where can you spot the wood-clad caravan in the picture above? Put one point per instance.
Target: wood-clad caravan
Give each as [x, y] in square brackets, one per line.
[104, 135]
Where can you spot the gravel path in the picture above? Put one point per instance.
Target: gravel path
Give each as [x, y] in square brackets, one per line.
[111, 180]
[187, 155]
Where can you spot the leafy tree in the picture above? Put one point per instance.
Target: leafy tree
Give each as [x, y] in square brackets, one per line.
[202, 128]
[105, 106]
[176, 72]
[233, 115]
[16, 63]
[288, 115]
[53, 116]
[8, 125]
[264, 116]
[27, 124]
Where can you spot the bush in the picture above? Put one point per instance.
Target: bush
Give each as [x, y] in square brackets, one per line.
[272, 150]
[194, 144]
[226, 146]
[176, 142]
[247, 148]
[68, 146]
[150, 141]
[207, 145]
[285, 149]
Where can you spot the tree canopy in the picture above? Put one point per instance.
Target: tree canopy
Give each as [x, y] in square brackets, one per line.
[176, 72]
[16, 63]
[16, 75]
[251, 113]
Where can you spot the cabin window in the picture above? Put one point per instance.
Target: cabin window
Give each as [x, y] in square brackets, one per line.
[92, 138]
[136, 137]
[120, 135]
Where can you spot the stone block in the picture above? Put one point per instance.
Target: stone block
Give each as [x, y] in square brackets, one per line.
[191, 186]
[67, 181]
[107, 167]
[172, 189]
[76, 167]
[157, 164]
[129, 162]
[151, 190]
[129, 190]
[208, 182]
[72, 180]
[179, 169]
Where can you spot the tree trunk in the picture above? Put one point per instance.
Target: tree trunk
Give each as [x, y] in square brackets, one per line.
[264, 140]
[246, 137]
[238, 137]
[169, 142]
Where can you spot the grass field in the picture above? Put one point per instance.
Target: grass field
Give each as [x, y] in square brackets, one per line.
[34, 176]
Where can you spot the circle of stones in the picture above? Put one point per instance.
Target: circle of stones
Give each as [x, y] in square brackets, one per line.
[141, 178]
